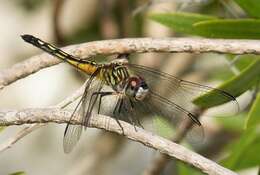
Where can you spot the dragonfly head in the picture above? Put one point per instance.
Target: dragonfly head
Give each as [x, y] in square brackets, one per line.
[136, 88]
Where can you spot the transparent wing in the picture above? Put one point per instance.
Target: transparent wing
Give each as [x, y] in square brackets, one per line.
[133, 111]
[178, 91]
[122, 108]
[177, 117]
[73, 132]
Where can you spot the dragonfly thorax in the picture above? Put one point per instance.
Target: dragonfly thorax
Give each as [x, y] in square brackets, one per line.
[136, 88]
[114, 75]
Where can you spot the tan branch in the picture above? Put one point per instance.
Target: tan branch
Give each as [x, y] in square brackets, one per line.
[133, 45]
[28, 129]
[45, 115]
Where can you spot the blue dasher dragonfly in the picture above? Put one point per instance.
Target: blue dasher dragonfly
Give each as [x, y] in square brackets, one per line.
[135, 88]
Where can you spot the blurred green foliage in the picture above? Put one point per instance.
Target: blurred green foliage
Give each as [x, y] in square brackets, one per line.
[209, 26]
[252, 7]
[236, 86]
[224, 28]
[163, 127]
[181, 22]
[85, 33]
[253, 119]
[232, 123]
[244, 151]
[29, 5]
[242, 61]
[184, 169]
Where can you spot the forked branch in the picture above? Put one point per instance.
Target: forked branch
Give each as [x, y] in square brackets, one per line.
[46, 115]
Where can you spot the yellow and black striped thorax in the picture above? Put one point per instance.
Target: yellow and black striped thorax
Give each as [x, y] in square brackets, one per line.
[113, 74]
[86, 66]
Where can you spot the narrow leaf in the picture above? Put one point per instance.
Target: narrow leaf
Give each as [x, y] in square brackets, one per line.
[229, 28]
[180, 22]
[242, 60]
[233, 123]
[245, 151]
[235, 86]
[253, 118]
[184, 169]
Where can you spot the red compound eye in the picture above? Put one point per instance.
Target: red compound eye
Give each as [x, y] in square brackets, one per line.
[133, 83]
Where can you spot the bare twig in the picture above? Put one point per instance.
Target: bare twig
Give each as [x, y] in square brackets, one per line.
[28, 129]
[159, 162]
[139, 45]
[22, 133]
[25, 68]
[44, 115]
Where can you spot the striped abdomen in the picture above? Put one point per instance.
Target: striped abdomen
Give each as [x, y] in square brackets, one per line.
[87, 66]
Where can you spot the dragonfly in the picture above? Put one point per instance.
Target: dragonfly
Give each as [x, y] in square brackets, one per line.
[136, 90]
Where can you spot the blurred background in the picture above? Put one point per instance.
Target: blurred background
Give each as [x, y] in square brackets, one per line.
[65, 22]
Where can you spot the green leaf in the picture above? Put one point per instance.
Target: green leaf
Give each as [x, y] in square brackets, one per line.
[232, 123]
[228, 28]
[252, 7]
[253, 118]
[245, 151]
[242, 60]
[180, 22]
[163, 127]
[221, 74]
[184, 169]
[209, 26]
[235, 86]
[244, 154]
[18, 173]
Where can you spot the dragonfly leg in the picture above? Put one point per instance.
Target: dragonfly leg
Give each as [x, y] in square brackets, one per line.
[134, 117]
[139, 123]
[115, 109]
[102, 94]
[89, 110]
[120, 105]
[91, 106]
[132, 122]
[118, 109]
[99, 104]
[118, 122]
[130, 119]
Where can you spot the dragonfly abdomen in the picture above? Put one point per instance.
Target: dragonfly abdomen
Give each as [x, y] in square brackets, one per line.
[87, 66]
